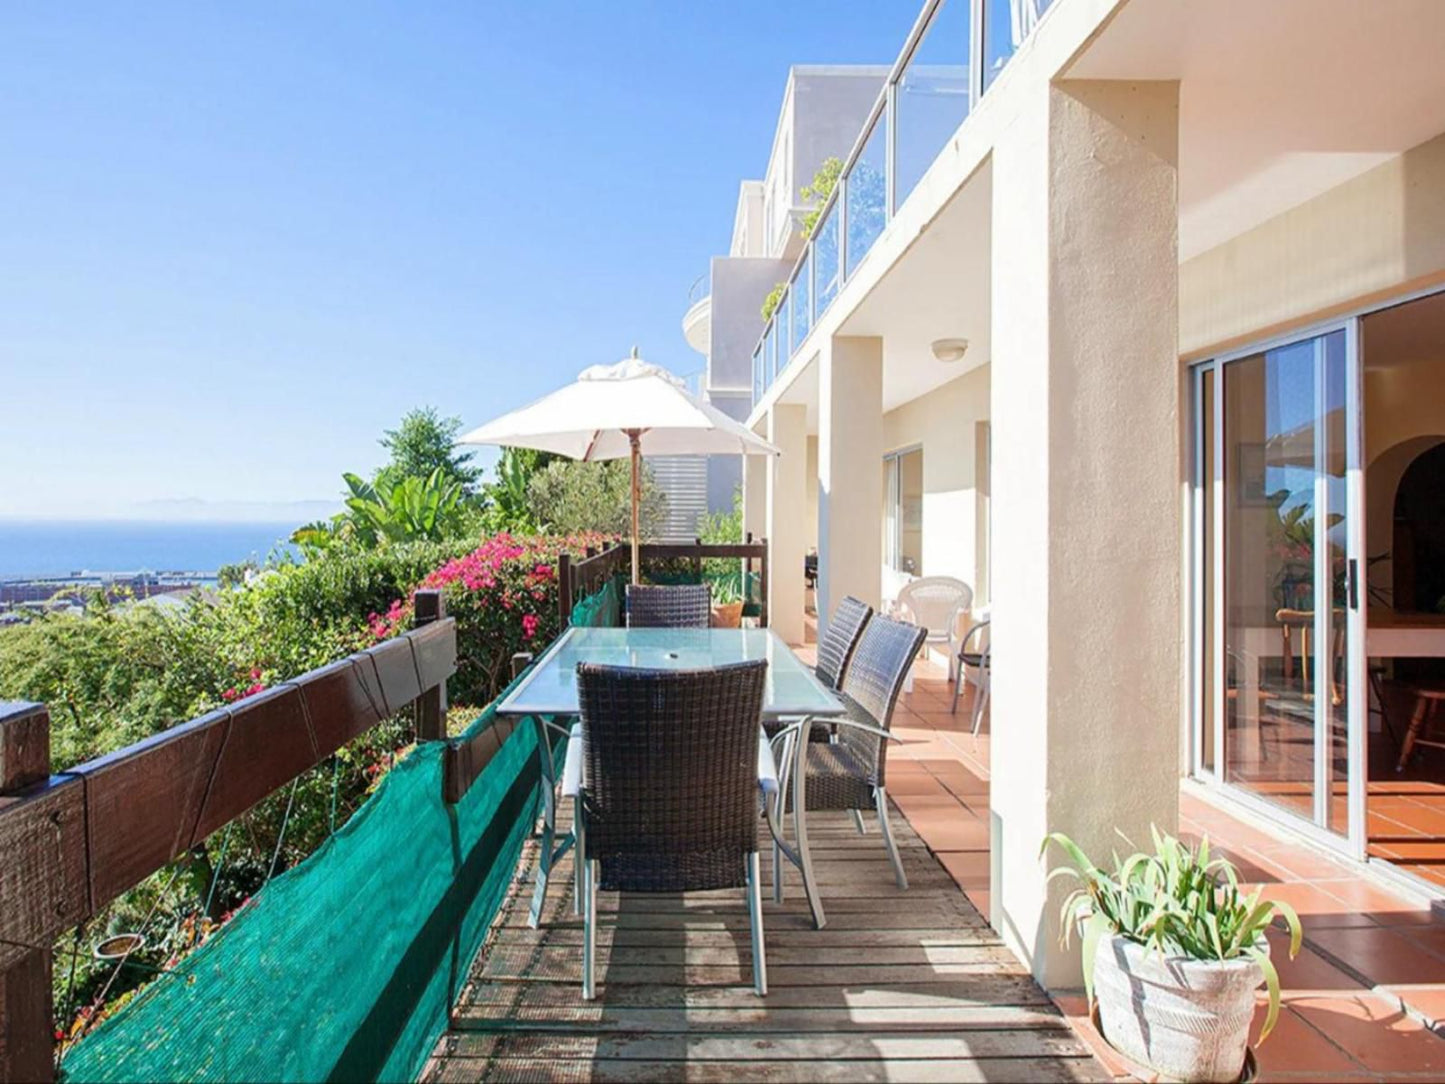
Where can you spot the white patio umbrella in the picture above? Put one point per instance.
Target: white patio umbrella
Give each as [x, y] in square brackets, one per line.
[628, 409]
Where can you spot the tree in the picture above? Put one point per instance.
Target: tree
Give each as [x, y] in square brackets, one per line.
[770, 303]
[816, 193]
[568, 496]
[425, 442]
[509, 508]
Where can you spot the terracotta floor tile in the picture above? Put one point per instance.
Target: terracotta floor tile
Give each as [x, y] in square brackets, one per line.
[969, 869]
[1309, 971]
[1377, 1033]
[1385, 907]
[1296, 1047]
[1383, 956]
[1427, 1000]
[1315, 906]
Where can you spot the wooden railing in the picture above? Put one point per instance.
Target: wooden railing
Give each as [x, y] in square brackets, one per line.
[579, 577]
[73, 842]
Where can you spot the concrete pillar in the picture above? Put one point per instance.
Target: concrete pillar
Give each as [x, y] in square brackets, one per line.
[850, 472]
[755, 495]
[786, 529]
[1086, 487]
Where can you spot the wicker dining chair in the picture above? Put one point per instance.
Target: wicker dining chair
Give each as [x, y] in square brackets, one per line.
[665, 779]
[850, 772]
[834, 651]
[680, 606]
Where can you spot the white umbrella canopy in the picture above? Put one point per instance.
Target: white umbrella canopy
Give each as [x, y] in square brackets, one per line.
[630, 409]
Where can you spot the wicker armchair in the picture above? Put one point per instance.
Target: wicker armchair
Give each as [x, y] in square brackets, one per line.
[665, 780]
[850, 772]
[684, 606]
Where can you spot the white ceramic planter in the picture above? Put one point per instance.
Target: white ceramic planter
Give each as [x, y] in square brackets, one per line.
[1188, 1019]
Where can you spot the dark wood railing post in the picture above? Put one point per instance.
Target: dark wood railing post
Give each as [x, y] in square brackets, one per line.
[564, 589]
[431, 706]
[763, 587]
[697, 560]
[27, 1021]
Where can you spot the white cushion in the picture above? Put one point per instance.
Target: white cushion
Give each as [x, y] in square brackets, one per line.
[767, 769]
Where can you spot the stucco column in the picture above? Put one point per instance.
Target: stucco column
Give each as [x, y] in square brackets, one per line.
[850, 472]
[755, 495]
[1087, 529]
[786, 528]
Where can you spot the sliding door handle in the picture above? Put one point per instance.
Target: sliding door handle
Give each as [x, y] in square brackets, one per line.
[1353, 583]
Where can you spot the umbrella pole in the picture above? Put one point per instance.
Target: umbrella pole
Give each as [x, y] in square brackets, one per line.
[634, 437]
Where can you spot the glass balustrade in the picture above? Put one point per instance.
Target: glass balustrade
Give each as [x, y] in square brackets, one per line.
[799, 310]
[950, 64]
[933, 94]
[865, 188]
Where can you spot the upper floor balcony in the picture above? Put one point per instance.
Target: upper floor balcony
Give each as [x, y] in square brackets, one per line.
[697, 321]
[949, 60]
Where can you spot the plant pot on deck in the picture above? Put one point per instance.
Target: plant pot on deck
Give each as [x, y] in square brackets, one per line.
[727, 615]
[1188, 1019]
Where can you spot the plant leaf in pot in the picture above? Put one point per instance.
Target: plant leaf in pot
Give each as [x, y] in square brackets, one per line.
[1174, 952]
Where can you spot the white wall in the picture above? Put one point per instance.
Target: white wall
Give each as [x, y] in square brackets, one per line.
[943, 423]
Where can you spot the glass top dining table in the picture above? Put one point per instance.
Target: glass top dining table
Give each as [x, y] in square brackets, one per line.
[791, 688]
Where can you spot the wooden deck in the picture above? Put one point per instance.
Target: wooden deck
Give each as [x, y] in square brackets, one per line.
[899, 986]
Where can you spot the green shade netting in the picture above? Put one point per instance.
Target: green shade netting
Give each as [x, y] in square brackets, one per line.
[346, 966]
[602, 608]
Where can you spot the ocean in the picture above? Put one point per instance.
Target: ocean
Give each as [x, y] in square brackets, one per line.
[35, 548]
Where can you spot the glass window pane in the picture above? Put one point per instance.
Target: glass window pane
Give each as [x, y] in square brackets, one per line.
[1006, 24]
[772, 351]
[798, 296]
[825, 255]
[910, 512]
[1279, 499]
[932, 96]
[758, 385]
[866, 196]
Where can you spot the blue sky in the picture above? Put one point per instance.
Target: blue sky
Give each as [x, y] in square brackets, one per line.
[237, 241]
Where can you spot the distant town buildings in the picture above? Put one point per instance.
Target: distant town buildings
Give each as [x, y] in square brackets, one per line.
[22, 597]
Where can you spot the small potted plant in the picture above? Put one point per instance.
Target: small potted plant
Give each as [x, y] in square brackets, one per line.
[727, 601]
[1174, 952]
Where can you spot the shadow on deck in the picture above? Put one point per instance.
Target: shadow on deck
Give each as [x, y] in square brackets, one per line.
[899, 986]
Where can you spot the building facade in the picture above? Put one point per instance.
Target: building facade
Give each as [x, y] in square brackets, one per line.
[1129, 314]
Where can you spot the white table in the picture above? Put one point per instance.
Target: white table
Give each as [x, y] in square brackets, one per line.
[791, 691]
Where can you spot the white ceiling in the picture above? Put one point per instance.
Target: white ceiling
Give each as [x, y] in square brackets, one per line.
[1280, 100]
[939, 289]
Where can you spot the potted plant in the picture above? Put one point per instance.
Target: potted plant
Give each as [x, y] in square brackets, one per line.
[727, 601]
[1174, 952]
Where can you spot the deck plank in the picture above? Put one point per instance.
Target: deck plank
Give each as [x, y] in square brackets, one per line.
[899, 986]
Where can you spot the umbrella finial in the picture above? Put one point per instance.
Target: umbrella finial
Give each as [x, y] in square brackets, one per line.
[634, 352]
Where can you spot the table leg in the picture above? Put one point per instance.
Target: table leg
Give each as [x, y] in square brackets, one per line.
[549, 821]
[800, 825]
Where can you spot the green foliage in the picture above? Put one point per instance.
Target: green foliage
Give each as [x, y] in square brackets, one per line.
[1178, 901]
[816, 192]
[770, 303]
[569, 496]
[508, 506]
[405, 508]
[425, 442]
[722, 575]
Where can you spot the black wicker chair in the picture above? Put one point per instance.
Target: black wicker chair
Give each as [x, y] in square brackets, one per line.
[665, 779]
[834, 651]
[850, 772]
[683, 606]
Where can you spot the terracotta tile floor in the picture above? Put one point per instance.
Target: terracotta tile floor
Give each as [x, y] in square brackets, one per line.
[1365, 999]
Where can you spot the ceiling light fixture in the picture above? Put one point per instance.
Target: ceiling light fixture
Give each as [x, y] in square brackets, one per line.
[950, 350]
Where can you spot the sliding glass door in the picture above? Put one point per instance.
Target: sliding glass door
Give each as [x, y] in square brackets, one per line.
[1279, 701]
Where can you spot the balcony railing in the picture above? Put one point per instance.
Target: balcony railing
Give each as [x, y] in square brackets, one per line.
[953, 54]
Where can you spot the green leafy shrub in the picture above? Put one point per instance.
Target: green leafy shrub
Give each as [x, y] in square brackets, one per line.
[1178, 901]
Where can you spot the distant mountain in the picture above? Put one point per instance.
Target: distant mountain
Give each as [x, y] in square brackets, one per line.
[187, 509]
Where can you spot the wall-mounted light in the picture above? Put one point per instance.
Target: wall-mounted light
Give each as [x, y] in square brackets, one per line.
[950, 350]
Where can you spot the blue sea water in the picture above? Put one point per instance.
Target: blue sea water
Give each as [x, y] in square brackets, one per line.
[33, 548]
